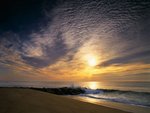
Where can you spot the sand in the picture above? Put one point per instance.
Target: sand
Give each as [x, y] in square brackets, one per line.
[15, 100]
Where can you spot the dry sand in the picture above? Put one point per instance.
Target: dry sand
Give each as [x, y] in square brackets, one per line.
[14, 100]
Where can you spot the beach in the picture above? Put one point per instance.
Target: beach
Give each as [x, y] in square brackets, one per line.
[22, 100]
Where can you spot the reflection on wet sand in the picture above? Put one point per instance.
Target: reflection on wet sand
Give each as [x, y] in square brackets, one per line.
[124, 107]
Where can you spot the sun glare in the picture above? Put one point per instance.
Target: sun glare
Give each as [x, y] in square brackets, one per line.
[93, 85]
[91, 60]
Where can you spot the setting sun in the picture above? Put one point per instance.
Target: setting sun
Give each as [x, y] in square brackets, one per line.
[91, 60]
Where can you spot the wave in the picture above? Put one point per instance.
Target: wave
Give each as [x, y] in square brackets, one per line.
[128, 97]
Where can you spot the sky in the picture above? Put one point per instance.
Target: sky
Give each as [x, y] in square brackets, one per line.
[75, 40]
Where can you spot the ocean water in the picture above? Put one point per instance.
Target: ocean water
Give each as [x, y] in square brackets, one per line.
[127, 92]
[123, 85]
[127, 97]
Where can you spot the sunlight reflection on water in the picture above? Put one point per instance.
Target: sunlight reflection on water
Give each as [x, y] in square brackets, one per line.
[93, 85]
[133, 86]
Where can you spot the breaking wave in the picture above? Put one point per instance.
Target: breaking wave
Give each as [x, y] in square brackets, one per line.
[128, 97]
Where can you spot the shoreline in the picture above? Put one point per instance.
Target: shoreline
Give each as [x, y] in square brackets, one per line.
[115, 105]
[15, 100]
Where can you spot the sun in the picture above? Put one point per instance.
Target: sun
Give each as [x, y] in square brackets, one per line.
[91, 60]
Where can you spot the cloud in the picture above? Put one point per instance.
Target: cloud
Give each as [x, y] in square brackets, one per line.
[78, 23]
[10, 47]
[137, 57]
[116, 33]
[44, 54]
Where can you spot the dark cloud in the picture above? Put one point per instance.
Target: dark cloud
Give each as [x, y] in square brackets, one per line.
[52, 54]
[9, 44]
[142, 57]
